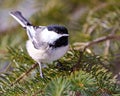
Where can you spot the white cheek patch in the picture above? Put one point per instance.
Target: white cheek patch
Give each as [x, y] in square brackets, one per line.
[49, 36]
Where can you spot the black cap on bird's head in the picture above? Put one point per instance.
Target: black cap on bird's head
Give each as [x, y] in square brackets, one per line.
[58, 29]
[61, 41]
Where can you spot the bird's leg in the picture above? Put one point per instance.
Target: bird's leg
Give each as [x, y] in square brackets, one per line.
[41, 75]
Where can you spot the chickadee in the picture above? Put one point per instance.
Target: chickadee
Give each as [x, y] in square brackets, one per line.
[46, 43]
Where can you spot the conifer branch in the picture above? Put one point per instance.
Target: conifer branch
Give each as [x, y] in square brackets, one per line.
[88, 44]
[24, 74]
[101, 39]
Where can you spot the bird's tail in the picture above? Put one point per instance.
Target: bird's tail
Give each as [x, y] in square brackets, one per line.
[19, 17]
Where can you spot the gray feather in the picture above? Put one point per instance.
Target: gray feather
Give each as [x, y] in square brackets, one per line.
[19, 17]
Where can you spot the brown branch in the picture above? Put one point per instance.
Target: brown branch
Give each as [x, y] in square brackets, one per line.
[101, 39]
[24, 74]
[91, 43]
[85, 45]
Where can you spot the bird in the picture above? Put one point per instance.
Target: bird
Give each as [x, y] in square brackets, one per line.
[45, 44]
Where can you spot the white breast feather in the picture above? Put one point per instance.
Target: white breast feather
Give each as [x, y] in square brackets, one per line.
[45, 55]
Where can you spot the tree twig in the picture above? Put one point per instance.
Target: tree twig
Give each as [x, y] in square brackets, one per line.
[91, 43]
[24, 74]
[85, 45]
[101, 39]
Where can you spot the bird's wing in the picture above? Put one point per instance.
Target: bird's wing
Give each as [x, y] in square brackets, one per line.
[37, 41]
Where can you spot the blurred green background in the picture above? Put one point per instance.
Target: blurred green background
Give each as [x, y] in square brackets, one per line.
[86, 20]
